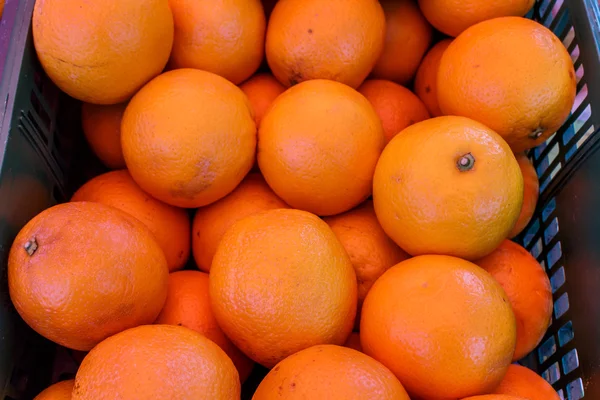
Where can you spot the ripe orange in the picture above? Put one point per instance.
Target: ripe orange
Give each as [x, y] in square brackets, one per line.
[157, 362]
[523, 382]
[189, 137]
[169, 225]
[396, 106]
[442, 325]
[102, 52]
[330, 372]
[528, 289]
[318, 146]
[58, 391]
[511, 74]
[223, 37]
[448, 185]
[102, 130]
[262, 90]
[81, 272]
[281, 282]
[426, 78]
[312, 39]
[353, 341]
[531, 192]
[253, 195]
[408, 36]
[494, 397]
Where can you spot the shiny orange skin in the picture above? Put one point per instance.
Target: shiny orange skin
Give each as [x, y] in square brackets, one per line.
[189, 137]
[353, 341]
[281, 282]
[523, 382]
[188, 305]
[528, 289]
[102, 52]
[58, 391]
[93, 272]
[318, 146]
[253, 195]
[223, 37]
[408, 36]
[157, 362]
[102, 130]
[426, 78]
[428, 205]
[531, 192]
[170, 225]
[494, 397]
[442, 325]
[262, 90]
[513, 75]
[338, 40]
[396, 106]
[330, 372]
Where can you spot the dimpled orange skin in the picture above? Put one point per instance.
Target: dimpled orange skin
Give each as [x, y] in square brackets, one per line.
[318, 146]
[427, 205]
[281, 282]
[58, 391]
[189, 137]
[521, 381]
[426, 78]
[157, 362]
[442, 325]
[330, 372]
[170, 225]
[262, 90]
[531, 192]
[95, 272]
[225, 37]
[102, 130]
[102, 52]
[511, 74]
[338, 40]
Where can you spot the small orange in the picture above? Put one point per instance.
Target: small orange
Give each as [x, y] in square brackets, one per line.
[318, 146]
[189, 137]
[396, 106]
[528, 289]
[330, 372]
[442, 325]
[494, 397]
[157, 362]
[426, 78]
[281, 282]
[58, 391]
[262, 90]
[523, 382]
[353, 341]
[102, 130]
[531, 192]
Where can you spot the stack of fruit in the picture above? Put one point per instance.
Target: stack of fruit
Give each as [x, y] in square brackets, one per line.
[296, 259]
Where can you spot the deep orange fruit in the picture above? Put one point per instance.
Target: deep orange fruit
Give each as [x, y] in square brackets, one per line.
[58, 391]
[102, 130]
[262, 90]
[523, 382]
[531, 192]
[353, 341]
[426, 78]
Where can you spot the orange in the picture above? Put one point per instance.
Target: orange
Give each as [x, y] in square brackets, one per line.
[523, 382]
[396, 106]
[330, 372]
[353, 341]
[452, 17]
[102, 130]
[188, 305]
[531, 192]
[169, 225]
[223, 37]
[448, 185]
[494, 397]
[81, 272]
[281, 282]
[253, 195]
[318, 146]
[58, 391]
[313, 39]
[157, 362]
[189, 137]
[528, 289]
[442, 325]
[511, 74]
[426, 78]
[262, 90]
[407, 38]
[102, 52]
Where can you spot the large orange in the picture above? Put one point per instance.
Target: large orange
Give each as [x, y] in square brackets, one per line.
[253, 195]
[170, 225]
[528, 289]
[58, 391]
[330, 372]
[223, 37]
[81, 272]
[313, 39]
[102, 130]
[408, 36]
[189, 137]
[102, 52]
[448, 185]
[396, 106]
[262, 90]
[511, 74]
[426, 78]
[318, 146]
[281, 282]
[443, 325]
[523, 382]
[531, 192]
[157, 362]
